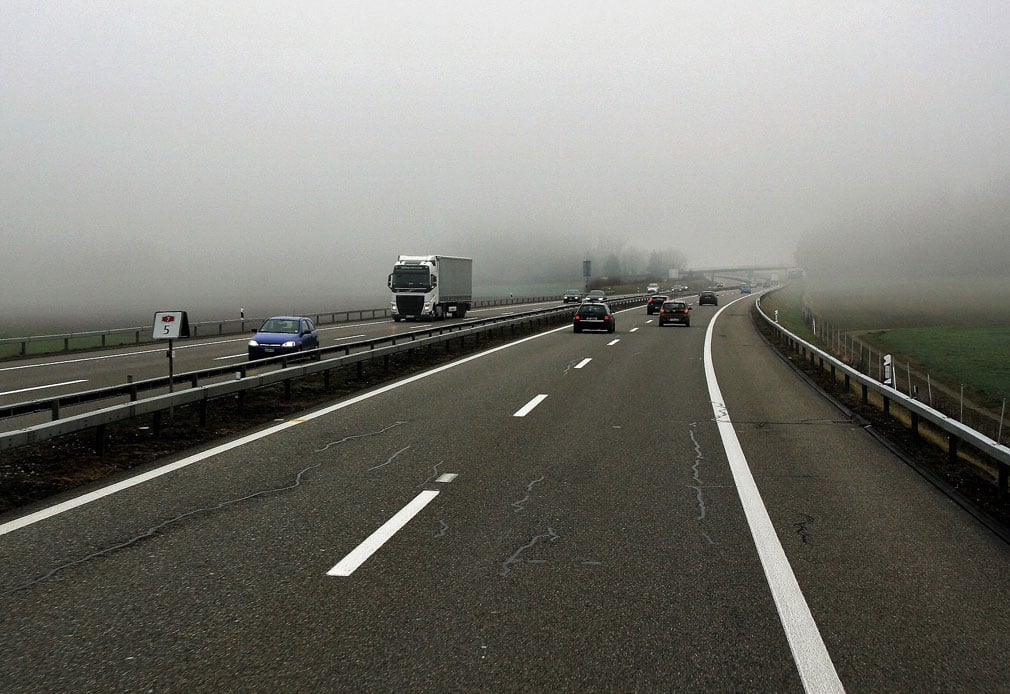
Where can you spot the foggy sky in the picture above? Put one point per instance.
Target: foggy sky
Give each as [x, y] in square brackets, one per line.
[273, 154]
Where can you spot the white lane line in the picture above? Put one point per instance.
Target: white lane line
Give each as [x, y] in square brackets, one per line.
[360, 554]
[583, 362]
[232, 356]
[528, 407]
[635, 330]
[648, 321]
[347, 337]
[52, 385]
[85, 499]
[613, 342]
[813, 662]
[447, 477]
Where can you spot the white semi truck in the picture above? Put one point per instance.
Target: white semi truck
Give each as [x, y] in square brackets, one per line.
[431, 286]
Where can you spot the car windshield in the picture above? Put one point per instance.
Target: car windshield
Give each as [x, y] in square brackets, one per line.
[279, 325]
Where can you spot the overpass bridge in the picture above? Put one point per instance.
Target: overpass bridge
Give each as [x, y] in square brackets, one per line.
[742, 273]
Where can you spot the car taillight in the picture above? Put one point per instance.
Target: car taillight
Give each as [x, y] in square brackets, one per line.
[606, 318]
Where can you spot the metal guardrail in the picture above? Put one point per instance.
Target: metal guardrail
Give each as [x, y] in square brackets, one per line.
[232, 326]
[957, 433]
[367, 350]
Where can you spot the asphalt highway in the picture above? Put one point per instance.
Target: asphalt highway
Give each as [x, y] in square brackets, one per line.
[23, 380]
[660, 509]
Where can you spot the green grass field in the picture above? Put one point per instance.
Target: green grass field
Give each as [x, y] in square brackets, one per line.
[957, 331]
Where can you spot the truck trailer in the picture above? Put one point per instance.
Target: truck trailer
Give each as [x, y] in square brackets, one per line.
[430, 286]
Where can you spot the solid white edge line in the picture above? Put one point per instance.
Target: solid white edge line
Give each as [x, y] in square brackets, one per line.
[51, 511]
[816, 670]
[133, 481]
[360, 554]
[51, 385]
[528, 407]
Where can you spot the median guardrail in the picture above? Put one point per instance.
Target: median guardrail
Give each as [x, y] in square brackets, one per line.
[956, 432]
[65, 342]
[344, 355]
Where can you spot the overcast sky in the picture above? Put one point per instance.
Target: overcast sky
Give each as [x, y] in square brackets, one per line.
[158, 153]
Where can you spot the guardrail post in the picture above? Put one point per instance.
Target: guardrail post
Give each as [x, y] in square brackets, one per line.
[887, 405]
[55, 407]
[915, 424]
[1004, 473]
[66, 344]
[193, 380]
[866, 393]
[156, 423]
[287, 388]
[203, 412]
[952, 448]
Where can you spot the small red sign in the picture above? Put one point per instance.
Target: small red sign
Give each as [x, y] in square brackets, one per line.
[167, 319]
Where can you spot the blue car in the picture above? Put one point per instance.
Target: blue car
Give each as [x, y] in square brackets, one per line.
[283, 335]
[745, 288]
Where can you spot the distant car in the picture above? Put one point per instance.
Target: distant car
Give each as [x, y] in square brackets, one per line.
[596, 295]
[594, 316]
[572, 296]
[708, 297]
[652, 288]
[675, 311]
[283, 335]
[655, 303]
[745, 288]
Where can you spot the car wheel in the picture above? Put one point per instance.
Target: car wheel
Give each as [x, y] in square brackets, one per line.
[687, 324]
[577, 329]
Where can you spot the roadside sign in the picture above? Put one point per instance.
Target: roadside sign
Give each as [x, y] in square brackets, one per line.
[170, 325]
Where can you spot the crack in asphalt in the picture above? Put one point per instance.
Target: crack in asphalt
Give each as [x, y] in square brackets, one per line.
[521, 504]
[150, 532]
[506, 566]
[361, 436]
[803, 528]
[443, 530]
[699, 487]
[389, 460]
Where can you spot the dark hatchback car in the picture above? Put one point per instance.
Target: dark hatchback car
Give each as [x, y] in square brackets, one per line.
[283, 335]
[675, 311]
[708, 297]
[572, 296]
[594, 316]
[655, 303]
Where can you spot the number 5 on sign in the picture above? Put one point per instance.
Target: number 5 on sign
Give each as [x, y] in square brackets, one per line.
[169, 325]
